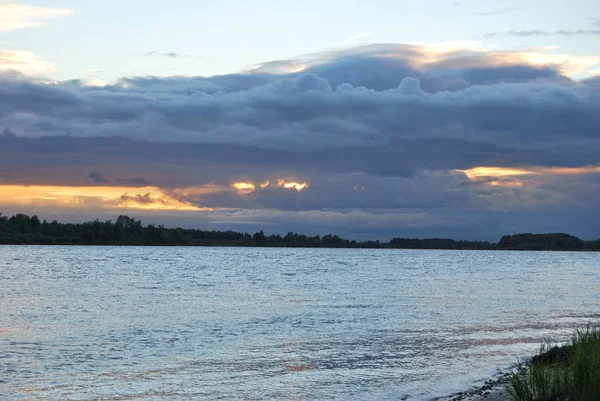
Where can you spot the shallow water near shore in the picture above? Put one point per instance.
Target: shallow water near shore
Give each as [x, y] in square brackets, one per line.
[133, 323]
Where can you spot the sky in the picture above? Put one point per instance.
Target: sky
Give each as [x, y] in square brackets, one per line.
[373, 120]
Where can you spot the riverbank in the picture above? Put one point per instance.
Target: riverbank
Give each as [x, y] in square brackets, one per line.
[496, 394]
[571, 371]
[493, 390]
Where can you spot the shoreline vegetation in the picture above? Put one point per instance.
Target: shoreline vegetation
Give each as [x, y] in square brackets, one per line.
[567, 373]
[22, 229]
[570, 372]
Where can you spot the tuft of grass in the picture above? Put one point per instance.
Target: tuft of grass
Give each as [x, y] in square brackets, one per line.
[568, 373]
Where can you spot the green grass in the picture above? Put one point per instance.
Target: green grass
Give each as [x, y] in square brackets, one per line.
[568, 373]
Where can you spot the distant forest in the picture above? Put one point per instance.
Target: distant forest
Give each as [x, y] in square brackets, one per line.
[22, 229]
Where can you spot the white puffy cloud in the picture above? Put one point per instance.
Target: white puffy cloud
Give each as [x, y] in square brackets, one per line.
[25, 62]
[15, 16]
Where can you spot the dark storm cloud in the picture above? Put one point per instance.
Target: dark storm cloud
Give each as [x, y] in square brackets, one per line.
[174, 165]
[376, 73]
[514, 74]
[7, 133]
[372, 130]
[202, 163]
[306, 113]
[101, 179]
[593, 83]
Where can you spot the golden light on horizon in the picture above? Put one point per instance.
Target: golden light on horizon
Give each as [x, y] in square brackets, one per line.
[105, 197]
[244, 187]
[477, 172]
[507, 176]
[573, 170]
[247, 187]
[298, 186]
[510, 183]
[481, 172]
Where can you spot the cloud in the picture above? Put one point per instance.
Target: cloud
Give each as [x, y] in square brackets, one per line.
[25, 62]
[98, 178]
[389, 139]
[174, 55]
[15, 16]
[360, 36]
[7, 133]
[96, 83]
[426, 62]
[499, 11]
[133, 181]
[531, 33]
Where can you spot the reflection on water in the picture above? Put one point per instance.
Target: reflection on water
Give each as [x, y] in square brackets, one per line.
[110, 323]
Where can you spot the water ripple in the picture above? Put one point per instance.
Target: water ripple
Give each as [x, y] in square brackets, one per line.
[112, 323]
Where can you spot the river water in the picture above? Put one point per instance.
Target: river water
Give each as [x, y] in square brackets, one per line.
[145, 323]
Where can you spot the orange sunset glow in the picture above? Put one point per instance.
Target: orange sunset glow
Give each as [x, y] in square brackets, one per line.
[247, 187]
[244, 187]
[512, 177]
[298, 186]
[134, 198]
[478, 172]
[145, 198]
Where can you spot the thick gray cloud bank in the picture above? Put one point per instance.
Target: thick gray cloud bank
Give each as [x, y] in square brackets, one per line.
[378, 132]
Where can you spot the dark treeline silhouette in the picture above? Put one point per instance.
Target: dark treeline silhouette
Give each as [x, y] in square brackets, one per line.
[542, 242]
[23, 229]
[438, 243]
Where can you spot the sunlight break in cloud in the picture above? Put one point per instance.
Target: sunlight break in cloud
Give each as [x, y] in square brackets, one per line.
[298, 186]
[244, 187]
[477, 172]
[18, 16]
[516, 177]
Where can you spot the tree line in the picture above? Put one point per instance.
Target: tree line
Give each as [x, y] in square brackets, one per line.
[21, 229]
[125, 230]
